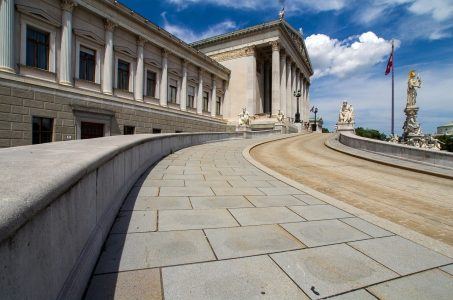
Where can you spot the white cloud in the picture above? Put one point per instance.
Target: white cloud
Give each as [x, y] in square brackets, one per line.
[188, 35]
[371, 97]
[340, 58]
[290, 5]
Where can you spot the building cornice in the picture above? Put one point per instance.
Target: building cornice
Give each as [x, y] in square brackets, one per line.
[118, 8]
[237, 53]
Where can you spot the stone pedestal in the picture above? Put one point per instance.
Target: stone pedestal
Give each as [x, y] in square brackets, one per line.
[243, 128]
[280, 127]
[345, 127]
[411, 128]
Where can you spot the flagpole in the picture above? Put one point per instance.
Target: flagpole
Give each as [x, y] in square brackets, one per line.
[393, 92]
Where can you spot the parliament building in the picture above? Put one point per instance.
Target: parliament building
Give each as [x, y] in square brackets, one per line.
[77, 69]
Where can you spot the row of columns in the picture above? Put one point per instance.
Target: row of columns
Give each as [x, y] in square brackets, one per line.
[286, 78]
[65, 66]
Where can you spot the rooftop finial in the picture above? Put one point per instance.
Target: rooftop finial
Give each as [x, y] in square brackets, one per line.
[281, 14]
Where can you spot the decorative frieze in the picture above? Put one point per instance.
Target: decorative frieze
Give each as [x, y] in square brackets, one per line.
[243, 52]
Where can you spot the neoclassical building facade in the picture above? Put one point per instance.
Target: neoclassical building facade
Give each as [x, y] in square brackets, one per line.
[75, 69]
[268, 62]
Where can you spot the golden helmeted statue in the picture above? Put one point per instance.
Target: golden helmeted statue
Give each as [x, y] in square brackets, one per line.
[414, 82]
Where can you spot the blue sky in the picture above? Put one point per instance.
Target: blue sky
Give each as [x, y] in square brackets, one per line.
[348, 43]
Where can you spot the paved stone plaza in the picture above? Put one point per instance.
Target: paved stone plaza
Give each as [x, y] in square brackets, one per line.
[206, 224]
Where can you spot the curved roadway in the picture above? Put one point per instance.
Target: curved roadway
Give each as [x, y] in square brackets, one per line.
[423, 203]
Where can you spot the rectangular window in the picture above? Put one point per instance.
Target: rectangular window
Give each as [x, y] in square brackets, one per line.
[90, 130]
[150, 84]
[191, 96]
[42, 130]
[157, 130]
[178, 131]
[217, 105]
[123, 75]
[128, 130]
[37, 48]
[172, 90]
[205, 101]
[87, 63]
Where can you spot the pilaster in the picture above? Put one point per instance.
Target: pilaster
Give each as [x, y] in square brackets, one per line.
[139, 74]
[213, 97]
[65, 73]
[164, 79]
[275, 77]
[183, 99]
[7, 35]
[283, 76]
[200, 92]
[288, 88]
[107, 74]
[250, 93]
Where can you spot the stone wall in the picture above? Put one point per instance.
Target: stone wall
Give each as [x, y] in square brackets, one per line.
[58, 202]
[19, 101]
[439, 158]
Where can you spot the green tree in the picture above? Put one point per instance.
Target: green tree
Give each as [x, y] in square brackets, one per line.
[325, 130]
[447, 142]
[370, 133]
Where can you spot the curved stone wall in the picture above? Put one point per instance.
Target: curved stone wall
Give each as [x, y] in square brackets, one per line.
[439, 158]
[58, 202]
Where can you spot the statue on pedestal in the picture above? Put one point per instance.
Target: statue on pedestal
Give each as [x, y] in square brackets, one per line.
[244, 118]
[346, 117]
[411, 126]
[280, 117]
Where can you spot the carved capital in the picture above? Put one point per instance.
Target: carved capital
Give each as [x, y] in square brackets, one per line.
[165, 52]
[141, 41]
[249, 51]
[68, 5]
[184, 62]
[275, 45]
[109, 25]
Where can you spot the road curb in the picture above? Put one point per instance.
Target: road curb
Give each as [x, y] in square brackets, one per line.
[402, 231]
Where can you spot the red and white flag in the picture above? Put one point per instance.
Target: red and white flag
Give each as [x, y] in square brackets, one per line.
[389, 63]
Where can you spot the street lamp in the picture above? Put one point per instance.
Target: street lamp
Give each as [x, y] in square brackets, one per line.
[315, 110]
[297, 117]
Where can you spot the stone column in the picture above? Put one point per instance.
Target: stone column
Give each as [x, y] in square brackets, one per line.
[140, 71]
[164, 79]
[283, 84]
[251, 81]
[107, 74]
[7, 35]
[296, 87]
[213, 97]
[275, 77]
[66, 43]
[293, 87]
[289, 111]
[183, 98]
[200, 93]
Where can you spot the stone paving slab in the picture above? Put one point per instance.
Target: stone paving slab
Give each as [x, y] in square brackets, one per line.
[320, 212]
[243, 241]
[207, 183]
[155, 203]
[320, 233]
[240, 191]
[367, 227]
[239, 182]
[161, 182]
[330, 270]
[145, 191]
[195, 219]
[266, 201]
[273, 191]
[264, 215]
[140, 284]
[135, 221]
[448, 269]
[126, 252]
[401, 255]
[356, 295]
[245, 278]
[219, 202]
[185, 191]
[310, 200]
[432, 284]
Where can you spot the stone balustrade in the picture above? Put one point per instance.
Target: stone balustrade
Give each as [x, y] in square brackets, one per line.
[59, 200]
[438, 158]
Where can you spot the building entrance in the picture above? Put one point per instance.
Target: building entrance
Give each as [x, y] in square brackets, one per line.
[91, 130]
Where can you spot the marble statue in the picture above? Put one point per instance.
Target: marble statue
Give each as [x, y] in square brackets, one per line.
[414, 82]
[281, 14]
[280, 117]
[244, 118]
[346, 113]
